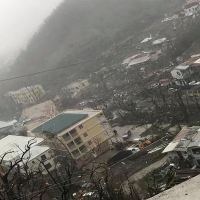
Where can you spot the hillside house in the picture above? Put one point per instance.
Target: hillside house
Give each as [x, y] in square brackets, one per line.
[181, 73]
[186, 145]
[191, 7]
[84, 134]
[187, 71]
[76, 88]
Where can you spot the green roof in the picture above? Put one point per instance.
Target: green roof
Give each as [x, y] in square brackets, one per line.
[59, 123]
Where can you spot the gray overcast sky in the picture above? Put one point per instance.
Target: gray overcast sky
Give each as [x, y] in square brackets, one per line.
[19, 19]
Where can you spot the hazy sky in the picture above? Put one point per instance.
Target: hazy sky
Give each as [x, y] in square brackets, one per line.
[19, 19]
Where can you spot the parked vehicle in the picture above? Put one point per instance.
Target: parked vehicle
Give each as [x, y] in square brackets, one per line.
[192, 83]
[133, 149]
[127, 135]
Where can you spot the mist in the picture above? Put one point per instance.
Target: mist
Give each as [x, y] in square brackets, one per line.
[18, 22]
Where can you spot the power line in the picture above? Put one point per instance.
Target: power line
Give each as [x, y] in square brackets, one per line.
[58, 68]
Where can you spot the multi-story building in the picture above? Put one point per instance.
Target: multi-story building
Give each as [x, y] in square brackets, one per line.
[76, 88]
[16, 145]
[191, 7]
[27, 95]
[185, 146]
[38, 114]
[84, 134]
[181, 73]
[187, 71]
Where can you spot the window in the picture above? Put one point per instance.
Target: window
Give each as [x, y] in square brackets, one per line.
[196, 151]
[33, 162]
[78, 141]
[48, 166]
[83, 149]
[81, 126]
[66, 137]
[73, 132]
[43, 157]
[71, 144]
[76, 153]
[85, 134]
[89, 142]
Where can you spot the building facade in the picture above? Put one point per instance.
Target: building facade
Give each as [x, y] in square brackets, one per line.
[181, 73]
[27, 95]
[191, 7]
[186, 146]
[75, 89]
[32, 159]
[84, 134]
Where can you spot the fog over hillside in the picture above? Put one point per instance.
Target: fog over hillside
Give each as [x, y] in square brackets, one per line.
[81, 30]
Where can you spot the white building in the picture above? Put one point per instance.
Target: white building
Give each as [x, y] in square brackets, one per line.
[75, 89]
[180, 73]
[27, 95]
[17, 144]
[136, 60]
[191, 7]
[186, 145]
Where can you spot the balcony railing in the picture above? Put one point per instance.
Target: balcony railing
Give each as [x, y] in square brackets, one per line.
[72, 147]
[67, 138]
[75, 134]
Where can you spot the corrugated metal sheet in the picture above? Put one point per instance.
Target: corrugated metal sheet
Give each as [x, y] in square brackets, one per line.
[59, 123]
[170, 147]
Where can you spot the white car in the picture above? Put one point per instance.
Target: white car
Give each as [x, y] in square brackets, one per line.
[136, 139]
[192, 83]
[133, 149]
[172, 90]
[197, 83]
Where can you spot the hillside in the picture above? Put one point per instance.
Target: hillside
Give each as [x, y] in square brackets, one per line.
[82, 30]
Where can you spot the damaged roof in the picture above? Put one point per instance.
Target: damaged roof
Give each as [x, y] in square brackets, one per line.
[187, 137]
[159, 41]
